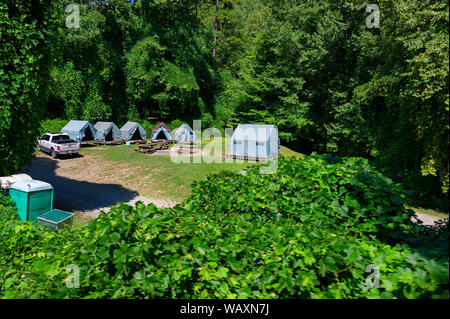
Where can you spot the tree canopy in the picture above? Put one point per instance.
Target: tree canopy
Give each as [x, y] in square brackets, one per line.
[312, 68]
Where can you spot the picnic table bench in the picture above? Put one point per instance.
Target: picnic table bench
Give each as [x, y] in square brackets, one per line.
[154, 146]
[104, 142]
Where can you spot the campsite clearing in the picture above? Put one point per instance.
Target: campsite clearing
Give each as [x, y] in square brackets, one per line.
[101, 176]
[104, 175]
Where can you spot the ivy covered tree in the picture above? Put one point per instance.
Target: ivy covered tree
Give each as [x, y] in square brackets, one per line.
[324, 78]
[402, 88]
[25, 35]
[312, 68]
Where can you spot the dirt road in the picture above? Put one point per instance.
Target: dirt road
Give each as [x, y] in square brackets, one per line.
[82, 184]
[427, 219]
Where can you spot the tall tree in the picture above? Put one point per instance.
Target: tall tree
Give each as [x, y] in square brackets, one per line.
[25, 34]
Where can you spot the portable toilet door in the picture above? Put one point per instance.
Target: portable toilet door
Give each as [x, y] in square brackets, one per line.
[32, 198]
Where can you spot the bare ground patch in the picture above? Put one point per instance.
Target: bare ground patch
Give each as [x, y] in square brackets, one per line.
[88, 184]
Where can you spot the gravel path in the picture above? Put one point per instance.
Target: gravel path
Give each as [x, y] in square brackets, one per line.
[161, 203]
[428, 219]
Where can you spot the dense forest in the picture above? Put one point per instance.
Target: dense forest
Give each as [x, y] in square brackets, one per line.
[312, 68]
[362, 107]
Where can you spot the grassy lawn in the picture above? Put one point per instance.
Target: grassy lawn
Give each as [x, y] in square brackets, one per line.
[288, 152]
[157, 176]
[79, 220]
[217, 141]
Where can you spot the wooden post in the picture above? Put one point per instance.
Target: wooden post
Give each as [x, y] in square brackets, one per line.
[129, 147]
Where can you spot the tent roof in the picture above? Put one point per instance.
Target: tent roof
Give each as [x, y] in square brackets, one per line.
[130, 126]
[158, 126]
[256, 126]
[103, 126]
[257, 132]
[74, 125]
[185, 134]
[161, 127]
[185, 127]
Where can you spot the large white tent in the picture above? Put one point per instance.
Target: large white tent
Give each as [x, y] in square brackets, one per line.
[255, 141]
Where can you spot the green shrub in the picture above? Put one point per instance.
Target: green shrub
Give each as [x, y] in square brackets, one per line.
[7, 209]
[52, 126]
[25, 34]
[31, 256]
[173, 125]
[311, 230]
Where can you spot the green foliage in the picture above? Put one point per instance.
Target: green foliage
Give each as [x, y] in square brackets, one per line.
[95, 110]
[402, 88]
[316, 71]
[143, 62]
[126, 63]
[24, 63]
[52, 126]
[7, 209]
[30, 254]
[308, 231]
[68, 86]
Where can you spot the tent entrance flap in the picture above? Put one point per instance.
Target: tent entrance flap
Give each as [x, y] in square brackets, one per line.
[136, 135]
[161, 132]
[88, 136]
[109, 136]
[161, 135]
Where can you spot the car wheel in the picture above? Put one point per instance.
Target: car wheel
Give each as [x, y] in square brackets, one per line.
[53, 153]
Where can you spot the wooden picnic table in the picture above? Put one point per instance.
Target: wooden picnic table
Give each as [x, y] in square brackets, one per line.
[152, 147]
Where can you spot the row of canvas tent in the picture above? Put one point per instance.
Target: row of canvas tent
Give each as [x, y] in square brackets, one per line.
[247, 141]
[83, 131]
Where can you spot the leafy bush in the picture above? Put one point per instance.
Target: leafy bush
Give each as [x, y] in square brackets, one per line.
[24, 63]
[52, 126]
[7, 209]
[30, 255]
[308, 231]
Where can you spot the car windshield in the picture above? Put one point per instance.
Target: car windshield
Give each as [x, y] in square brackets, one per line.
[60, 138]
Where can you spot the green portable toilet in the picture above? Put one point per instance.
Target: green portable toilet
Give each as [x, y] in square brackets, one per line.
[32, 198]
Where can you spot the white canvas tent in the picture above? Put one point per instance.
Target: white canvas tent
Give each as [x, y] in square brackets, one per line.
[107, 131]
[255, 141]
[132, 131]
[185, 134]
[161, 132]
[80, 131]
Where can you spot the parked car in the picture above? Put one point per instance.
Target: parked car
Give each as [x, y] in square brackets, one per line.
[57, 144]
